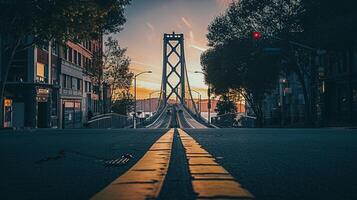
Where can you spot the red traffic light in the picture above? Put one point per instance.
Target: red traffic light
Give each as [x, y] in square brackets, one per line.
[256, 35]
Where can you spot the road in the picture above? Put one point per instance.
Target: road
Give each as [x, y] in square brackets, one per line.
[268, 163]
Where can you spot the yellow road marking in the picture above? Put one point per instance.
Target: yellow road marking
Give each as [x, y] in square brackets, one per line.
[209, 179]
[145, 179]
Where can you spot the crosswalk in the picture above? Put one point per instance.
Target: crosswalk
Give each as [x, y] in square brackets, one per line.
[146, 178]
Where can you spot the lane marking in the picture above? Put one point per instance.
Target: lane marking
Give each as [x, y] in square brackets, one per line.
[209, 179]
[145, 179]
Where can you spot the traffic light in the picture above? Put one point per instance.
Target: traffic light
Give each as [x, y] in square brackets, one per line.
[256, 35]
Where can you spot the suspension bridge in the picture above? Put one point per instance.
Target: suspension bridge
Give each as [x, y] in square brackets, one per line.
[174, 85]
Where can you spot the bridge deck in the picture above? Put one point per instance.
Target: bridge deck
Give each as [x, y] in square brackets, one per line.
[175, 116]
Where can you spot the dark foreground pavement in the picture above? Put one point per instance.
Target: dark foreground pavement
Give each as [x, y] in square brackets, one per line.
[287, 164]
[273, 164]
[69, 164]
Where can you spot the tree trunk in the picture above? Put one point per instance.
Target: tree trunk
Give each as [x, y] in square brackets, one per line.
[4, 73]
[260, 116]
[306, 98]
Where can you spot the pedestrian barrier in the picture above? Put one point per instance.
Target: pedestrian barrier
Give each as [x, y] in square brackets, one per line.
[110, 120]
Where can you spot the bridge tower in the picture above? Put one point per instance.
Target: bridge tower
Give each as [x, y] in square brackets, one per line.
[174, 67]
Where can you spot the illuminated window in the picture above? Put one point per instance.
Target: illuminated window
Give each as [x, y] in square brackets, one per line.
[40, 72]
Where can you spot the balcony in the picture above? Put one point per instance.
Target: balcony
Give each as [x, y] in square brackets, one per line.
[71, 92]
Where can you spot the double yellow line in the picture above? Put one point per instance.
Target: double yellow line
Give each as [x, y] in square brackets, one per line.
[145, 179]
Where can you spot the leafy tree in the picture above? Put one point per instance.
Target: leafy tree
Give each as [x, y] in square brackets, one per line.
[225, 105]
[24, 23]
[237, 66]
[116, 68]
[124, 103]
[111, 68]
[226, 110]
[281, 22]
[328, 24]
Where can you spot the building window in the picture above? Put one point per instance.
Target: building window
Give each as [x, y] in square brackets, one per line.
[79, 59]
[69, 82]
[54, 75]
[70, 54]
[40, 72]
[73, 83]
[64, 81]
[75, 57]
[65, 51]
[54, 49]
[85, 61]
[79, 81]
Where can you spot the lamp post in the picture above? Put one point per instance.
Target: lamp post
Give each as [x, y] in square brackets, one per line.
[199, 100]
[150, 99]
[145, 72]
[209, 96]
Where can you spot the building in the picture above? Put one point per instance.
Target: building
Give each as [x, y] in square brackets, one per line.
[31, 93]
[339, 89]
[52, 86]
[332, 89]
[78, 94]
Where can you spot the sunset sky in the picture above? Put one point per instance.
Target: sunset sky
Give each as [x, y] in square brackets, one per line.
[148, 20]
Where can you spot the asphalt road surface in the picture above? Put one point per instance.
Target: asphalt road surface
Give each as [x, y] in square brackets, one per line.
[295, 164]
[270, 163]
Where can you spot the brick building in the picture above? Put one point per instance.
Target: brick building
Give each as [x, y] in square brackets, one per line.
[51, 86]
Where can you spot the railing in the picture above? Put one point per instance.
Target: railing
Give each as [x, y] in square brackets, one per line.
[110, 120]
[152, 119]
[198, 118]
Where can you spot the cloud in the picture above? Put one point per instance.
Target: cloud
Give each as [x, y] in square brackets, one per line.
[150, 26]
[185, 21]
[198, 47]
[192, 37]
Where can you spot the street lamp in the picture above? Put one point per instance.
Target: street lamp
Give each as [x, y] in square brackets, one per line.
[199, 100]
[209, 96]
[150, 99]
[145, 72]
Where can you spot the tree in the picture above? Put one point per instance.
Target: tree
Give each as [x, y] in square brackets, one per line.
[24, 23]
[281, 22]
[225, 105]
[124, 103]
[328, 24]
[116, 68]
[111, 68]
[237, 66]
[226, 110]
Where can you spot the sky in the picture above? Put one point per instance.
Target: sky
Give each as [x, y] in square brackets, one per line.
[148, 20]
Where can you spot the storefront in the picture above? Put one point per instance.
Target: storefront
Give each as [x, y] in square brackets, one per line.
[43, 105]
[72, 114]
